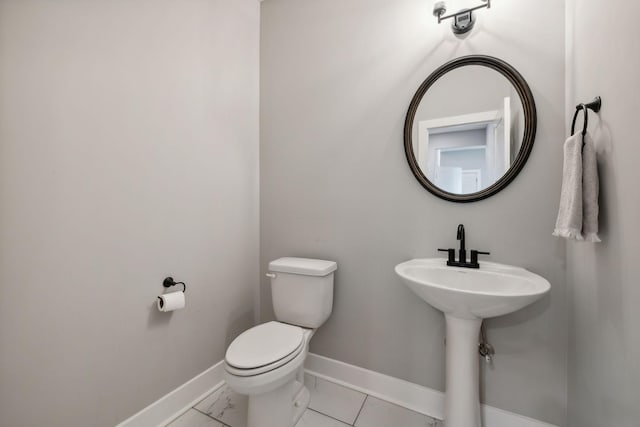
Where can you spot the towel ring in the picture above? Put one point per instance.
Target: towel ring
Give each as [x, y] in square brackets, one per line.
[594, 106]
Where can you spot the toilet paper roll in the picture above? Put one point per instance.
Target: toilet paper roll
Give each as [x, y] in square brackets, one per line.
[170, 302]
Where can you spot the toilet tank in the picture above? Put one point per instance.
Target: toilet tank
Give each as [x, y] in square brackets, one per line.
[302, 290]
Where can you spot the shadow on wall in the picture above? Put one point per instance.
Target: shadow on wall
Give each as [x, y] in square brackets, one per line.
[522, 316]
[237, 325]
[608, 257]
[157, 318]
[600, 309]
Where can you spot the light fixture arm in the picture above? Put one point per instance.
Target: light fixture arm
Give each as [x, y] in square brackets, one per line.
[451, 15]
[463, 20]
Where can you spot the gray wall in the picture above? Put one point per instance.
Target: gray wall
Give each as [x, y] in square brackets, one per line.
[336, 80]
[128, 151]
[603, 278]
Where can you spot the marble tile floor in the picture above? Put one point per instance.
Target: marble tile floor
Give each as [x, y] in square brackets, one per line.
[332, 405]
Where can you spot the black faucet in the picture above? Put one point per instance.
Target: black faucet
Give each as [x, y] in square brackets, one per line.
[462, 257]
[462, 253]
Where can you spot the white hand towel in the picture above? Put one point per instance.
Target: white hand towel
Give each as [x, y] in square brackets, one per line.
[590, 190]
[578, 212]
[569, 221]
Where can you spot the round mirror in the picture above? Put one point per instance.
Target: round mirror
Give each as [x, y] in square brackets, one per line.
[470, 128]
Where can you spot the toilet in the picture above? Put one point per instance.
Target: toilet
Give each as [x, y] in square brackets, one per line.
[266, 362]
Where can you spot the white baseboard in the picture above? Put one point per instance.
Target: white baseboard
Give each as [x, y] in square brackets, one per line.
[412, 396]
[409, 395]
[394, 390]
[171, 406]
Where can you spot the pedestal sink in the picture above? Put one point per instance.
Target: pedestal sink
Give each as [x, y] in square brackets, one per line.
[466, 296]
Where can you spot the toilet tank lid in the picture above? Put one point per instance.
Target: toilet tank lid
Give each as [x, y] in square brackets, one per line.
[306, 266]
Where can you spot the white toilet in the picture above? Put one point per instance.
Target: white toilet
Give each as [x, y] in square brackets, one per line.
[267, 361]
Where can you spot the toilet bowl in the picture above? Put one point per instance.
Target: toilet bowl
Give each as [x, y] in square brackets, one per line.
[266, 362]
[274, 384]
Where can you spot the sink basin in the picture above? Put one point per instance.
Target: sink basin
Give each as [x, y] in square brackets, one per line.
[466, 296]
[492, 290]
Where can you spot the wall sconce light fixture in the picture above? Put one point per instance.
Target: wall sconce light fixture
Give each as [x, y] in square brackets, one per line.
[463, 20]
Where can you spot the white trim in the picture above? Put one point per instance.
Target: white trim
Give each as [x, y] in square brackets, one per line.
[462, 148]
[473, 121]
[394, 390]
[177, 402]
[506, 120]
[409, 395]
[480, 119]
[403, 393]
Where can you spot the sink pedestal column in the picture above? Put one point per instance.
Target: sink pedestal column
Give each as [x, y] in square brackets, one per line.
[462, 399]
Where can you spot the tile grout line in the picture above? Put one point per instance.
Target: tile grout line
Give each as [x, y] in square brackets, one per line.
[213, 418]
[328, 416]
[315, 382]
[346, 423]
[366, 396]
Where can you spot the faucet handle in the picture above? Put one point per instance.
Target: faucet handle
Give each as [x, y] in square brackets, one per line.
[451, 254]
[474, 256]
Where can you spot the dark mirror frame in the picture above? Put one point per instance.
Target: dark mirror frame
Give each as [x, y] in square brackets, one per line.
[530, 124]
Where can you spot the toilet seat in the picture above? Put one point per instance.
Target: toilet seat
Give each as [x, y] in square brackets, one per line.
[264, 348]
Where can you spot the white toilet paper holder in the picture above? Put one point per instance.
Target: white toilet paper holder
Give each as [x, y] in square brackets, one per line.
[168, 282]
